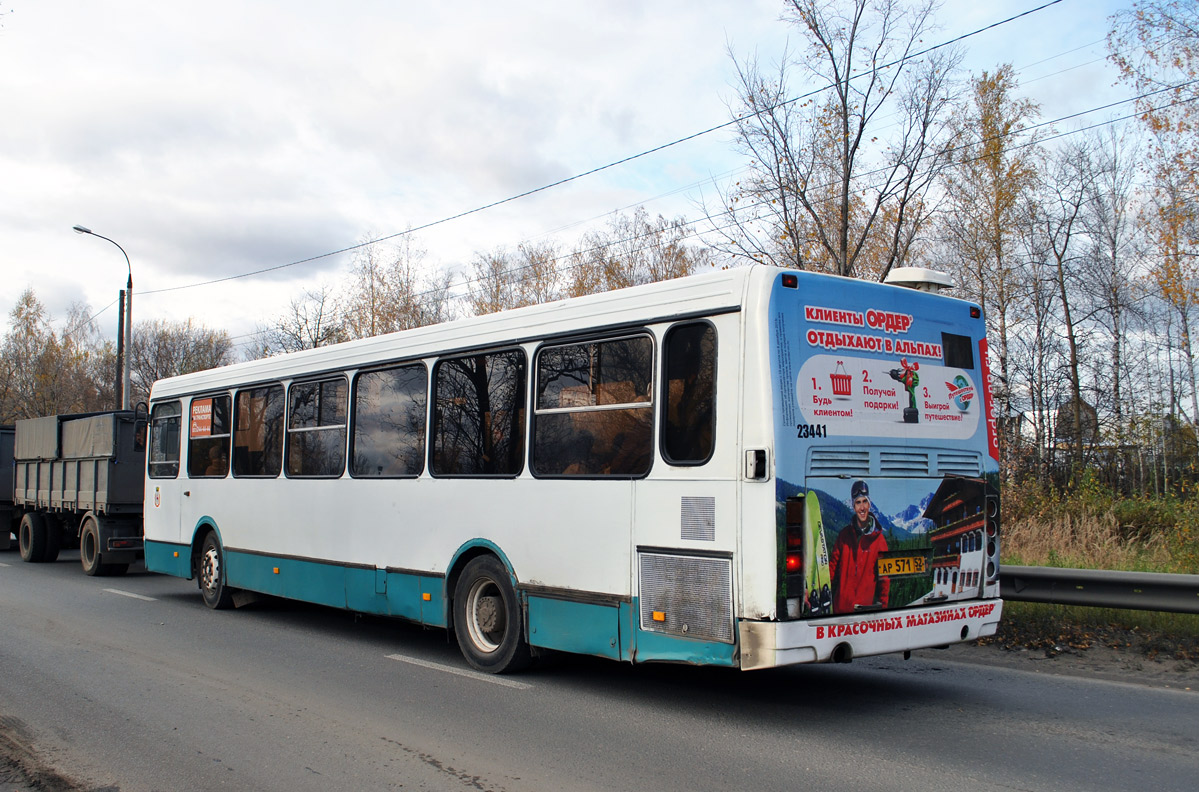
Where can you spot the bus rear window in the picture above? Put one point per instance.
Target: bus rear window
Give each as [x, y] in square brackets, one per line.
[958, 350]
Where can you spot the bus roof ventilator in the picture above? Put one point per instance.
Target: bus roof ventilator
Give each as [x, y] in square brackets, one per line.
[919, 278]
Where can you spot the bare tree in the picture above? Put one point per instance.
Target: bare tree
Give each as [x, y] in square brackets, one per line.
[827, 189]
[312, 320]
[632, 250]
[1112, 262]
[1068, 187]
[495, 283]
[389, 290]
[501, 280]
[163, 348]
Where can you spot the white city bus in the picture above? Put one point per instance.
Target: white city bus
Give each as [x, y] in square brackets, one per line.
[747, 468]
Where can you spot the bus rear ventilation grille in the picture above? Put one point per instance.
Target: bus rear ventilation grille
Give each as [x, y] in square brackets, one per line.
[956, 464]
[839, 462]
[903, 463]
[687, 596]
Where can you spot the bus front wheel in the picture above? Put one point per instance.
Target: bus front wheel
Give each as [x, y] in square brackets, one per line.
[212, 575]
[487, 618]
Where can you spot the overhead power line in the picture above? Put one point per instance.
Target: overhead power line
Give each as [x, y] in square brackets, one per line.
[598, 169]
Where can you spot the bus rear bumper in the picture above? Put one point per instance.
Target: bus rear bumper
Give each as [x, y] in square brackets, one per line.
[767, 644]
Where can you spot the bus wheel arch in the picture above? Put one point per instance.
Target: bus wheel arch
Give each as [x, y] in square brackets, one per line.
[488, 618]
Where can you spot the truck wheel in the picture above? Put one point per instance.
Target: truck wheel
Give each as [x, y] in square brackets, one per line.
[33, 538]
[211, 575]
[487, 618]
[89, 548]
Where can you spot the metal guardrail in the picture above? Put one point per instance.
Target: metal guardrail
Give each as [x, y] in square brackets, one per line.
[1100, 588]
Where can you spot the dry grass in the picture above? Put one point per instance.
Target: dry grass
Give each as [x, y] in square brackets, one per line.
[1082, 540]
[1074, 533]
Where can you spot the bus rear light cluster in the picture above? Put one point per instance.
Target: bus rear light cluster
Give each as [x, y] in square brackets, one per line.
[992, 531]
[793, 560]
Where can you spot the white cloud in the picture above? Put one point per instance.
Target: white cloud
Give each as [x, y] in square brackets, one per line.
[212, 139]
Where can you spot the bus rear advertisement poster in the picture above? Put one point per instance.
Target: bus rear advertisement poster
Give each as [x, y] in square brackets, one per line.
[884, 459]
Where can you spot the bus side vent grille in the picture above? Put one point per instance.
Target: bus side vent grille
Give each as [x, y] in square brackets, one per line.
[699, 519]
[839, 462]
[958, 464]
[903, 463]
[687, 596]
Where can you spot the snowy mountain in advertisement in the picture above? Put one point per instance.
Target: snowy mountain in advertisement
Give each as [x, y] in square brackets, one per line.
[910, 520]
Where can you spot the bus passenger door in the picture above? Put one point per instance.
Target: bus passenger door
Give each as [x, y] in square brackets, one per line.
[165, 483]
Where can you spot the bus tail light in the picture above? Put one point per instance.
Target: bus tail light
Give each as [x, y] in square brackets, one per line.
[992, 535]
[793, 560]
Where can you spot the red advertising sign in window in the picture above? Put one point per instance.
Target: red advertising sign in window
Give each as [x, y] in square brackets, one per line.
[201, 423]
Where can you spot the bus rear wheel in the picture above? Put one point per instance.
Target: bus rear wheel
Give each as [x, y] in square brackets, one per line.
[211, 575]
[34, 539]
[487, 618]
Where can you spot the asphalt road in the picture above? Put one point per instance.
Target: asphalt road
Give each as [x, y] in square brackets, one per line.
[130, 683]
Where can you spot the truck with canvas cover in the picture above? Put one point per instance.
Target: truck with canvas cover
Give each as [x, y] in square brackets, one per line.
[78, 481]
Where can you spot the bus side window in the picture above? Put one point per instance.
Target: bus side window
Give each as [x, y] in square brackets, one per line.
[689, 412]
[479, 415]
[594, 411]
[208, 437]
[258, 432]
[164, 440]
[316, 428]
[389, 423]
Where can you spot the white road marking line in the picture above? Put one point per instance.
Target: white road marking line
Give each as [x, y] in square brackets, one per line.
[131, 595]
[495, 680]
[2, 564]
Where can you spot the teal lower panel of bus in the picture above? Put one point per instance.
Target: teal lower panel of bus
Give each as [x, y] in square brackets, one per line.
[612, 631]
[603, 630]
[580, 627]
[169, 558]
[652, 646]
[419, 598]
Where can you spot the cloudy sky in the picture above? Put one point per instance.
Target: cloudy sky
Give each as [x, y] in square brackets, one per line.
[212, 139]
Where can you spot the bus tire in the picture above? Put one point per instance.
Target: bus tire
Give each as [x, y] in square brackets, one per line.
[33, 538]
[488, 619]
[211, 575]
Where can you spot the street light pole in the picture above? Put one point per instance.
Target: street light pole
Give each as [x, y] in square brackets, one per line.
[128, 318]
